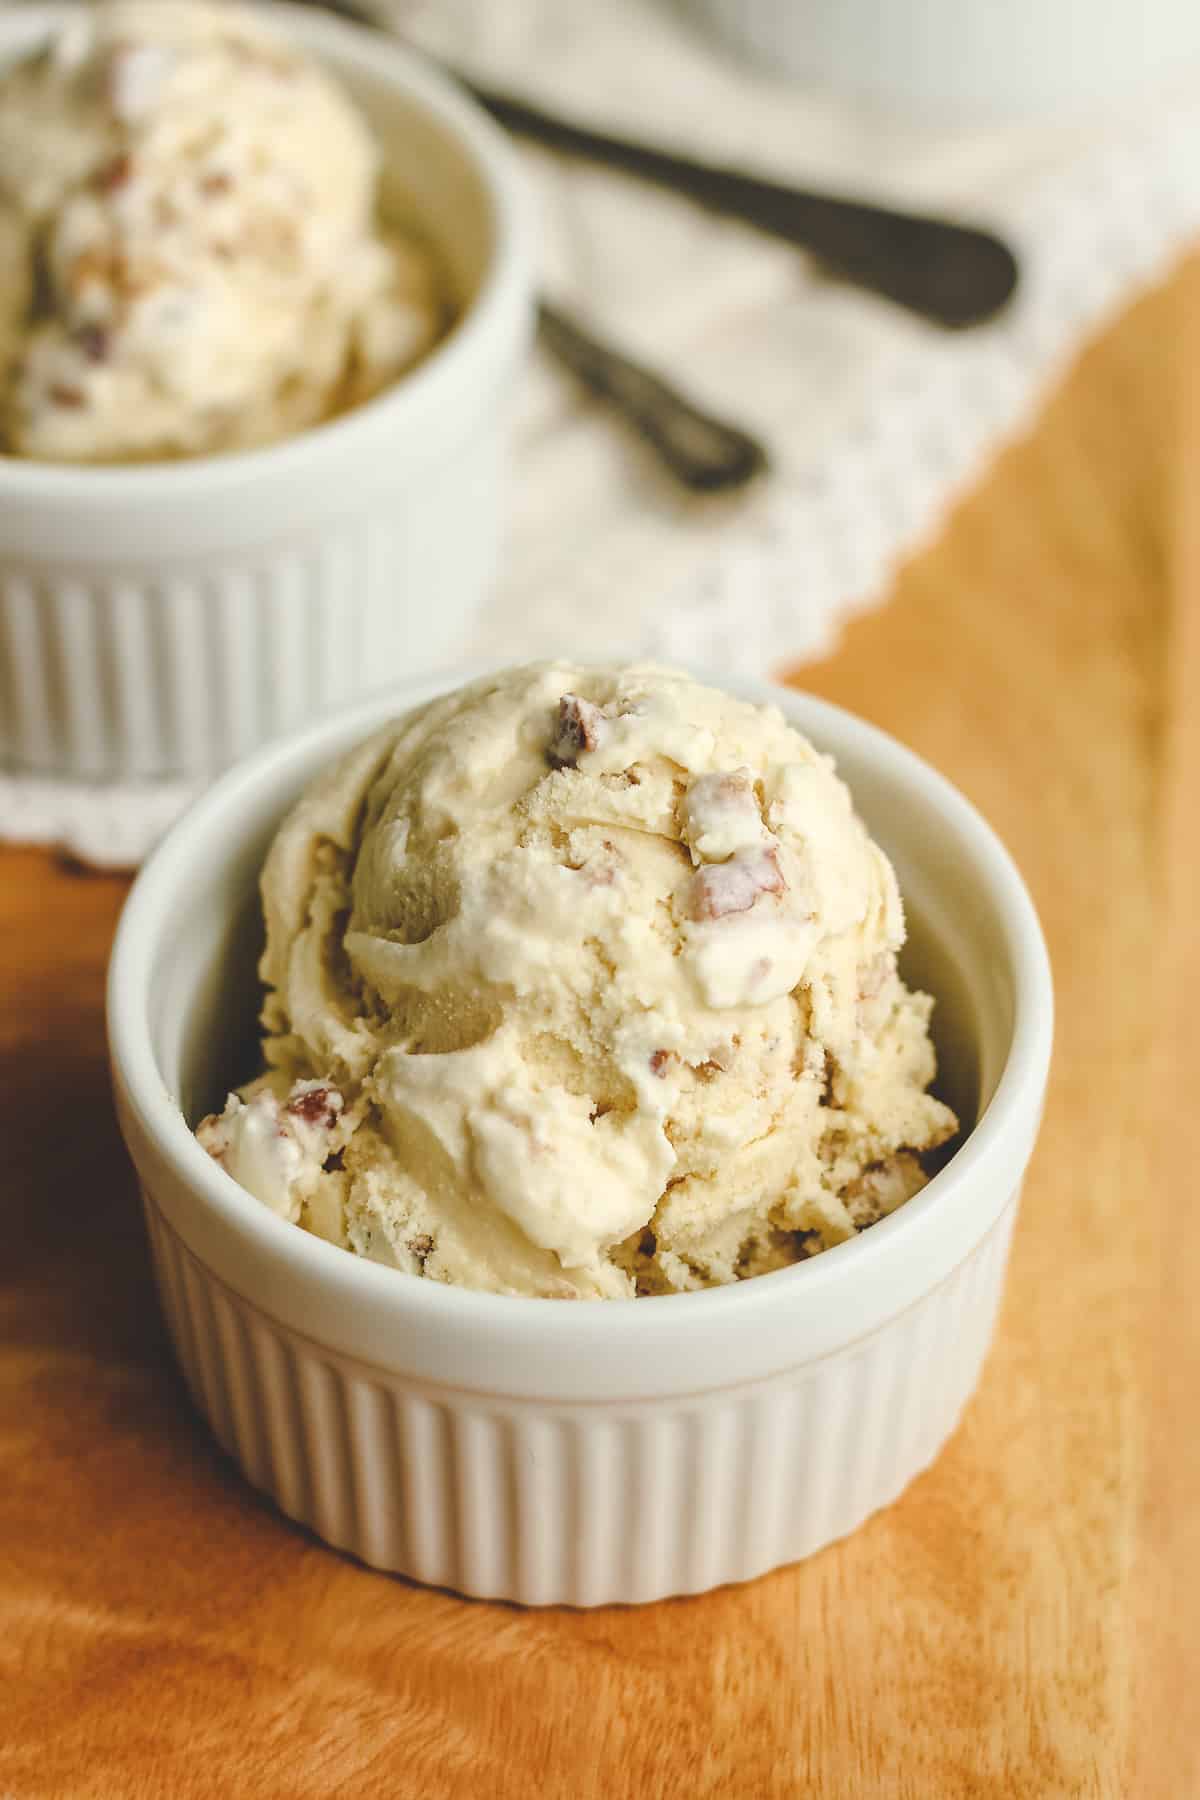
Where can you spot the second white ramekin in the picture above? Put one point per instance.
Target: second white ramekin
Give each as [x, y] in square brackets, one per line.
[533, 1451]
[965, 59]
[165, 619]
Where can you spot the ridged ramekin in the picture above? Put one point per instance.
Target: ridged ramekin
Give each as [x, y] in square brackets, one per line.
[166, 618]
[964, 59]
[614, 1451]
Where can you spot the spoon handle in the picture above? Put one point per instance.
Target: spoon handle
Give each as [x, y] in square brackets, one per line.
[956, 275]
[705, 453]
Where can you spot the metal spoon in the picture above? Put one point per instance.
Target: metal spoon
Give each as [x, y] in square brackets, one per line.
[955, 275]
[705, 453]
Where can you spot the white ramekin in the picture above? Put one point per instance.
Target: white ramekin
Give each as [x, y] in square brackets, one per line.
[527, 1450]
[164, 619]
[964, 58]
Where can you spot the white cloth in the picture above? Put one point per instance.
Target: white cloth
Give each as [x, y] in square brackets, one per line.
[876, 421]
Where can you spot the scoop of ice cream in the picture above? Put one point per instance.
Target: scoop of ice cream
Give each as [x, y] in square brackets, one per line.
[192, 249]
[602, 966]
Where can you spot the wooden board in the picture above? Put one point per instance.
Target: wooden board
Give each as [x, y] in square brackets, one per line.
[1022, 1622]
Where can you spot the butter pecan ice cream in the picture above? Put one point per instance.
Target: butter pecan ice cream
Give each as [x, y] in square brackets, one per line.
[582, 983]
[191, 239]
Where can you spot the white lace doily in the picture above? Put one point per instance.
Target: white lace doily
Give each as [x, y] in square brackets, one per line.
[876, 421]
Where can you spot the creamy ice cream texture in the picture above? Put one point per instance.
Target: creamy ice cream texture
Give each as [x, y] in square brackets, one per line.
[190, 240]
[582, 983]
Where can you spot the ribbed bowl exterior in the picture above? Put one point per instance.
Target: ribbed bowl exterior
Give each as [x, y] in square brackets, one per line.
[516, 1449]
[589, 1504]
[185, 663]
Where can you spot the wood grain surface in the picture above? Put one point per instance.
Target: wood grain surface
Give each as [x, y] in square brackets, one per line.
[1023, 1622]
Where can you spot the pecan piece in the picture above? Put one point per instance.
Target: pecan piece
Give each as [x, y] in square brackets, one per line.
[115, 173]
[422, 1248]
[92, 268]
[882, 1187]
[318, 1105]
[719, 889]
[95, 342]
[581, 726]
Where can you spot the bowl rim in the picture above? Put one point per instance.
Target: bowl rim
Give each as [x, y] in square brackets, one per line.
[1002, 1135]
[501, 290]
